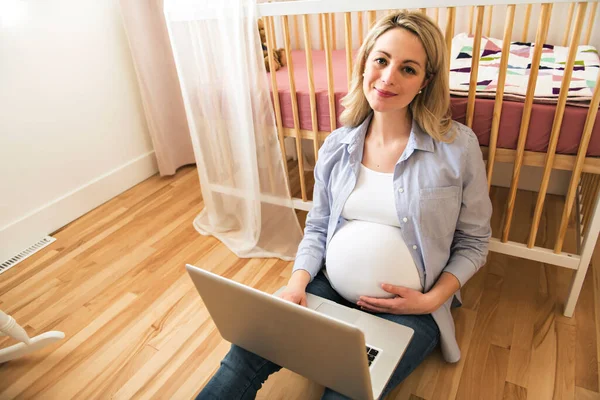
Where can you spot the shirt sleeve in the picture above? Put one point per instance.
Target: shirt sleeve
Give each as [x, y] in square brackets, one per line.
[311, 251]
[473, 231]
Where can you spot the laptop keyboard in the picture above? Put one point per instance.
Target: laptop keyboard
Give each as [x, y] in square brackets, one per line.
[371, 354]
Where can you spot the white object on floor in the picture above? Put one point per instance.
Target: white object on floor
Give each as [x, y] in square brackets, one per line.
[10, 327]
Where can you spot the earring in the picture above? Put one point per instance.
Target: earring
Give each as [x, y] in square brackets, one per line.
[420, 91]
[363, 74]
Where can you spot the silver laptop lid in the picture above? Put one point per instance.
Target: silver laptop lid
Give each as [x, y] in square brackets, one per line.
[325, 350]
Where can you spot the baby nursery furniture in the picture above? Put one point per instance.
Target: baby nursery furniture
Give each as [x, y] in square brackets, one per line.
[26, 345]
[529, 105]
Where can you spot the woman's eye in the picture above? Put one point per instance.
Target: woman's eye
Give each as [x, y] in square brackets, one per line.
[380, 61]
[410, 70]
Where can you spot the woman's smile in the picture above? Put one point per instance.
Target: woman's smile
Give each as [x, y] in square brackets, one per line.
[385, 93]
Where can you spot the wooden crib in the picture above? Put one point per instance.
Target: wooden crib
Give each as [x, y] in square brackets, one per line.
[582, 198]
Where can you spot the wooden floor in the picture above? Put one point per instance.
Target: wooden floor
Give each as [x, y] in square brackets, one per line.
[114, 282]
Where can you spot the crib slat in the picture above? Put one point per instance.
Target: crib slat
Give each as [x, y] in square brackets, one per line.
[330, 91]
[535, 63]
[450, 18]
[497, 114]
[568, 27]
[550, 8]
[471, 11]
[584, 188]
[436, 15]
[321, 41]
[311, 85]
[594, 185]
[423, 10]
[290, 68]
[270, 47]
[474, 67]
[333, 33]
[590, 24]
[273, 36]
[581, 153]
[585, 195]
[488, 23]
[591, 184]
[296, 33]
[557, 124]
[587, 186]
[372, 17]
[360, 27]
[348, 29]
[526, 23]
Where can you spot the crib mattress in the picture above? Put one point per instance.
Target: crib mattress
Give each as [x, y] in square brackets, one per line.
[542, 115]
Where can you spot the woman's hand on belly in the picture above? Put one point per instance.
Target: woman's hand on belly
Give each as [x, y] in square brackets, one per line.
[407, 301]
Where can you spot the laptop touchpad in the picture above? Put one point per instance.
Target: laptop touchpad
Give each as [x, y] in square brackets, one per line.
[338, 312]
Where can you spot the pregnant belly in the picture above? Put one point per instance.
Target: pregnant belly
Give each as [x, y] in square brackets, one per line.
[363, 255]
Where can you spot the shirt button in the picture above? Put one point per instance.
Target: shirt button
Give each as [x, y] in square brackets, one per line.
[404, 219]
[401, 190]
[414, 246]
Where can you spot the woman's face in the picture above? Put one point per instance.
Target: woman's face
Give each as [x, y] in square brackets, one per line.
[394, 70]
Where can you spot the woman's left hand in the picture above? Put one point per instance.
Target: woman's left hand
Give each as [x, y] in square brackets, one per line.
[407, 301]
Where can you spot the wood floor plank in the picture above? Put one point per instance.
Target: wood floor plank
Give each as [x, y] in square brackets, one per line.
[564, 385]
[410, 385]
[210, 354]
[189, 388]
[525, 312]
[494, 373]
[169, 351]
[514, 392]
[542, 366]
[504, 321]
[471, 381]
[586, 357]
[584, 394]
[287, 385]
[118, 349]
[450, 375]
[432, 367]
[25, 376]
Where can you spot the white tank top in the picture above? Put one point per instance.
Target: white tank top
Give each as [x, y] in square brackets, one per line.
[369, 250]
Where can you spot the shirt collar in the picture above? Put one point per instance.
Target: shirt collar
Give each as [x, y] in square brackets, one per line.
[418, 139]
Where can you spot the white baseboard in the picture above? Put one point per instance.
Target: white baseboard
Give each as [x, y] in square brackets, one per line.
[43, 221]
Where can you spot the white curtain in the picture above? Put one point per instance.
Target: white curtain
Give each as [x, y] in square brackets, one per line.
[228, 105]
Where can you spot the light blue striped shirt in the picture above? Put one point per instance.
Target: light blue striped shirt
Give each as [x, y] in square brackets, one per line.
[440, 187]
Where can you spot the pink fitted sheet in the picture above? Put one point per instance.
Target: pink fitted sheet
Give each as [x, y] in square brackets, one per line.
[540, 127]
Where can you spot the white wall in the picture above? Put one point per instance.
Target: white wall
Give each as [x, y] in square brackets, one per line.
[72, 129]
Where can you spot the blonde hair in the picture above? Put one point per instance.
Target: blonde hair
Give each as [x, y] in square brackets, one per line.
[431, 108]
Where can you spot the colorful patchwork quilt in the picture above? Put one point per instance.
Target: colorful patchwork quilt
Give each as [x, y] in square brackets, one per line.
[550, 74]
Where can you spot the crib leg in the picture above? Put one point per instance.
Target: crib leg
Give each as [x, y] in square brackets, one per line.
[589, 243]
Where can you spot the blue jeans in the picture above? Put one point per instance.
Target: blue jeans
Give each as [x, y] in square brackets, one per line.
[242, 373]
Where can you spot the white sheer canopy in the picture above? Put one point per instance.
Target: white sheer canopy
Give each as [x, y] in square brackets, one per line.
[228, 105]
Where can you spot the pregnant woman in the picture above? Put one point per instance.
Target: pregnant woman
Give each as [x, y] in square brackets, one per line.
[401, 213]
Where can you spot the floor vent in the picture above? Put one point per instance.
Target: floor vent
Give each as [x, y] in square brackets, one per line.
[31, 250]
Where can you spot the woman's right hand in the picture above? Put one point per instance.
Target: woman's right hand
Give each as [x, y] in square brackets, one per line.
[295, 290]
[296, 296]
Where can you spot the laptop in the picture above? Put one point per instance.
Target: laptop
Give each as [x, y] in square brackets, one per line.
[344, 349]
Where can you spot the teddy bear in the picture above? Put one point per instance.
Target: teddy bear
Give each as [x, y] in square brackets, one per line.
[278, 54]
